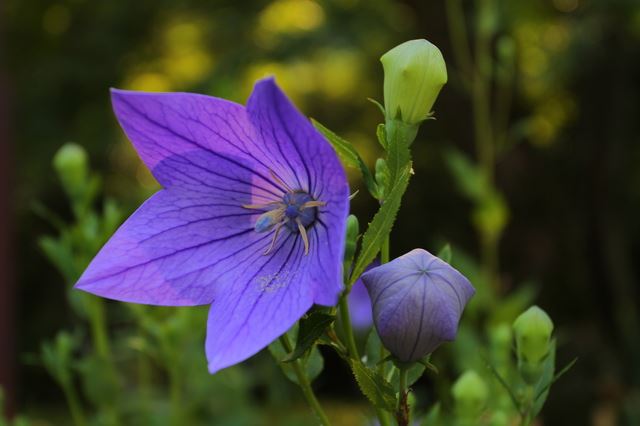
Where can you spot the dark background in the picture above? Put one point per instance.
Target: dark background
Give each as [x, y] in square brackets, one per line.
[571, 177]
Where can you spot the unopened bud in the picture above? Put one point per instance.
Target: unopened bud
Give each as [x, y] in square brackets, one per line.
[532, 331]
[470, 393]
[414, 73]
[70, 163]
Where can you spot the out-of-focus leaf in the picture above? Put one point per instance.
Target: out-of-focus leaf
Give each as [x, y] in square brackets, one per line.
[445, 253]
[471, 182]
[309, 331]
[60, 254]
[541, 390]
[57, 357]
[433, 416]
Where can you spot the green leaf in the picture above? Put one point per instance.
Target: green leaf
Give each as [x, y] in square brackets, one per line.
[505, 385]
[374, 387]
[313, 363]
[445, 253]
[541, 390]
[381, 225]
[349, 156]
[471, 182]
[398, 159]
[556, 377]
[433, 416]
[309, 331]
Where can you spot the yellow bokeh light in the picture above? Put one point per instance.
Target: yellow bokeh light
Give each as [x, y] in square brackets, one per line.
[290, 16]
[149, 82]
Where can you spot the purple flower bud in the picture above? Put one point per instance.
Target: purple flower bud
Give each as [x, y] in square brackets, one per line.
[417, 303]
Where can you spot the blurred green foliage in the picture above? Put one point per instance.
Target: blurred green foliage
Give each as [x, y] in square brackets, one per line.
[556, 199]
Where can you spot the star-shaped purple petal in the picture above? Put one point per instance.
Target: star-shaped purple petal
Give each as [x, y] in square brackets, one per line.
[417, 300]
[223, 167]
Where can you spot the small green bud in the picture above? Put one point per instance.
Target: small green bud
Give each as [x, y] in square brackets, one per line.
[470, 393]
[532, 331]
[71, 164]
[414, 73]
[353, 230]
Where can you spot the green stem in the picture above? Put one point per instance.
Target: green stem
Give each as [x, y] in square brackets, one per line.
[459, 38]
[175, 395]
[346, 327]
[77, 414]
[384, 251]
[99, 329]
[305, 385]
[403, 405]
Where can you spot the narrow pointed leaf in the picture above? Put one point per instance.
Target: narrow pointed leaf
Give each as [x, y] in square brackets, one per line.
[309, 331]
[381, 225]
[348, 155]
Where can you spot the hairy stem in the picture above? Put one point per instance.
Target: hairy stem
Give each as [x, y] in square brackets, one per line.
[305, 385]
[402, 416]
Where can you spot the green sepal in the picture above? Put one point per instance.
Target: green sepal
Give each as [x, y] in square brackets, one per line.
[378, 104]
[381, 134]
[349, 156]
[310, 330]
[373, 350]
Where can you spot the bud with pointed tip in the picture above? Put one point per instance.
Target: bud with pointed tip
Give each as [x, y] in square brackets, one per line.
[532, 330]
[417, 301]
[414, 73]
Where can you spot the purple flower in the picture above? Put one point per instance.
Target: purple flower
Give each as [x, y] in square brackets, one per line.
[251, 219]
[360, 303]
[417, 303]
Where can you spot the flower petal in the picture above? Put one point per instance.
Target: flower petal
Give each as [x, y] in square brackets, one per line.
[174, 126]
[313, 167]
[248, 315]
[173, 250]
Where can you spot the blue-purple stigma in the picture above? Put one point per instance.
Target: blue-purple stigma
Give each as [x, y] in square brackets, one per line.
[297, 211]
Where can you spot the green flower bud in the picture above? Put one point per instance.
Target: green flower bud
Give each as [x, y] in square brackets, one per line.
[470, 393]
[70, 163]
[532, 330]
[414, 73]
[353, 229]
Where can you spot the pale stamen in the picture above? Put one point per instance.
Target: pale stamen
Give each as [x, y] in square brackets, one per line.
[312, 204]
[262, 206]
[279, 181]
[275, 237]
[303, 234]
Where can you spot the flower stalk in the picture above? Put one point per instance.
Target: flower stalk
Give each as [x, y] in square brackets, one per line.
[305, 385]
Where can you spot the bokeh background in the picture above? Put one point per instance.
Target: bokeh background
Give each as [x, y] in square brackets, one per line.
[544, 201]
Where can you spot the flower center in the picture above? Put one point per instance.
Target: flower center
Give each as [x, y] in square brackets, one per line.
[297, 211]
